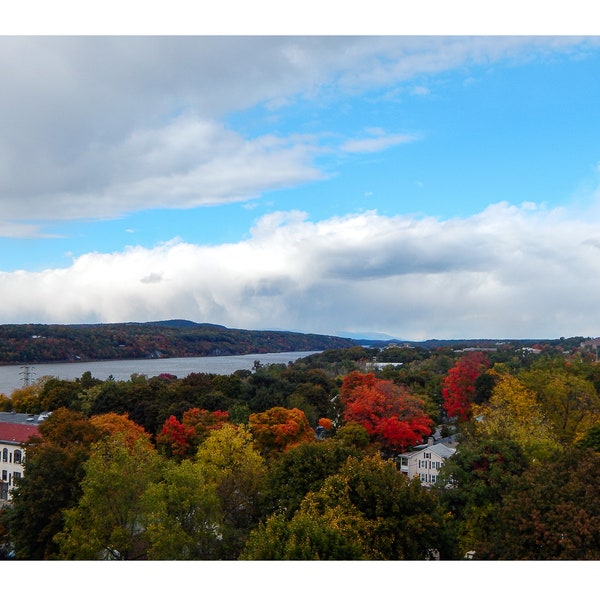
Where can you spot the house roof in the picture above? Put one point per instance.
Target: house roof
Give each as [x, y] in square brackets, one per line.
[443, 450]
[440, 449]
[14, 433]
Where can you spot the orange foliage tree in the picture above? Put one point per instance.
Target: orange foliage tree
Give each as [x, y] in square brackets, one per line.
[278, 429]
[458, 387]
[326, 424]
[109, 424]
[392, 416]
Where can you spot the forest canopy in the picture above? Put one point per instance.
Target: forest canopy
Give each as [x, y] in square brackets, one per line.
[301, 460]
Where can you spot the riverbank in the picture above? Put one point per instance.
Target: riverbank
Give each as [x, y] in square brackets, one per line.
[12, 376]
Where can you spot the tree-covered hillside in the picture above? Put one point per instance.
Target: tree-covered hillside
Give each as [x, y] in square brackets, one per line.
[166, 339]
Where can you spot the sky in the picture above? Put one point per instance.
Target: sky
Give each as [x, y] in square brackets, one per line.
[411, 186]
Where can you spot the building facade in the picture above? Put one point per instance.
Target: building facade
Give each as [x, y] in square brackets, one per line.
[15, 431]
[425, 462]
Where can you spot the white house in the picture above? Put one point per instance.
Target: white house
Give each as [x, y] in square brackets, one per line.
[425, 462]
[15, 430]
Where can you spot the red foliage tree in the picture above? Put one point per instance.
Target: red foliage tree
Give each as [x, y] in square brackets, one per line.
[182, 438]
[203, 421]
[389, 412]
[175, 438]
[458, 387]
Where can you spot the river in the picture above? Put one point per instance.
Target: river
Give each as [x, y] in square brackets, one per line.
[14, 376]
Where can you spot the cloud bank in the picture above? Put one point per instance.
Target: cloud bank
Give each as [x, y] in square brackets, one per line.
[505, 272]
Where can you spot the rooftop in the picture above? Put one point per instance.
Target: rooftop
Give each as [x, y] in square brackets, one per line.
[22, 418]
[440, 449]
[16, 433]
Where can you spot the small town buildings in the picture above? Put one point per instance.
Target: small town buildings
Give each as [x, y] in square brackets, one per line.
[15, 430]
[425, 462]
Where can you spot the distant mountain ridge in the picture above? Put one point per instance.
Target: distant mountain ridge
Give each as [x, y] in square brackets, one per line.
[183, 323]
[177, 338]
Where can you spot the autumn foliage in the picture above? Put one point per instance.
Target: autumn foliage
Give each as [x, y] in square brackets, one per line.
[279, 429]
[111, 424]
[182, 438]
[458, 387]
[389, 412]
[326, 424]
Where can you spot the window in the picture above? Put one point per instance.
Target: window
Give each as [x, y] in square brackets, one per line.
[433, 478]
[16, 475]
[5, 455]
[4, 475]
[18, 457]
[427, 454]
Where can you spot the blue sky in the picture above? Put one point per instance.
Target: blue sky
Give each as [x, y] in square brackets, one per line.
[413, 186]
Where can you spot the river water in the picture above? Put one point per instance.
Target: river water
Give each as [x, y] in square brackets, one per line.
[14, 376]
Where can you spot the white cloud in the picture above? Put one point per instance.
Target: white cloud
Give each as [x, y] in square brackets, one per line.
[505, 272]
[376, 143]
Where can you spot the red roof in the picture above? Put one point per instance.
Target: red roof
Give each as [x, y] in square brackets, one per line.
[15, 433]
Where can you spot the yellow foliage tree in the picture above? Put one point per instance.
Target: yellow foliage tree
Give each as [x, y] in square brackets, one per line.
[569, 401]
[228, 460]
[26, 399]
[513, 412]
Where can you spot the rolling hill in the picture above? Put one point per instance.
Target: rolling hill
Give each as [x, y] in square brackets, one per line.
[37, 343]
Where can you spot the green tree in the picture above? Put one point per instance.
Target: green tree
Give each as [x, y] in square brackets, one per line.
[591, 439]
[58, 393]
[368, 510]
[569, 401]
[107, 521]
[51, 483]
[229, 461]
[303, 469]
[302, 538]
[111, 397]
[182, 515]
[473, 482]
[551, 512]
